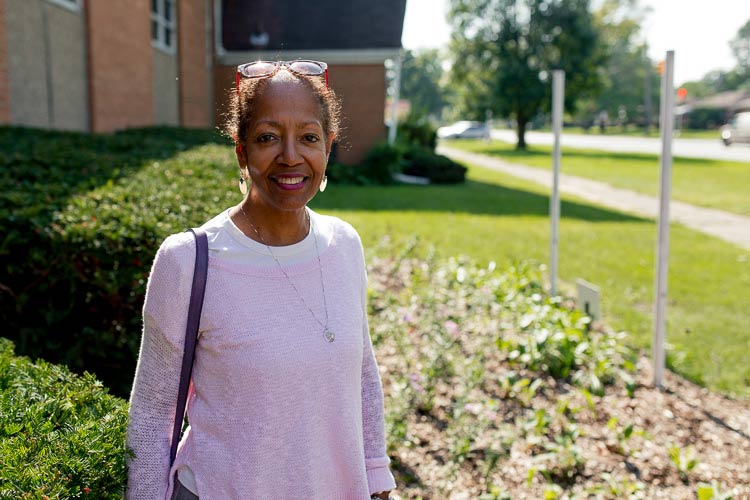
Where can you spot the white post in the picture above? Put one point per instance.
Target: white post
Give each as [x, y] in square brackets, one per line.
[558, 100]
[395, 95]
[666, 124]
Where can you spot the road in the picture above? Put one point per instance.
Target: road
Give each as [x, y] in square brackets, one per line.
[689, 148]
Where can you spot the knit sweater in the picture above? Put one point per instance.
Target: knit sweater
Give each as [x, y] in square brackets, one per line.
[275, 410]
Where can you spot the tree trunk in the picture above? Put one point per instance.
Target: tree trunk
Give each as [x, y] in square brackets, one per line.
[521, 132]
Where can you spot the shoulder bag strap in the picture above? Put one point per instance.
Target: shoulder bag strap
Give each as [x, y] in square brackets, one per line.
[191, 333]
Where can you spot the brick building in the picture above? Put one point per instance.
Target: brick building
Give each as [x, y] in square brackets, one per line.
[103, 65]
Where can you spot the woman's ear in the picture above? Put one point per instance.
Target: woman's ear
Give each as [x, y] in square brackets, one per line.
[329, 144]
[239, 150]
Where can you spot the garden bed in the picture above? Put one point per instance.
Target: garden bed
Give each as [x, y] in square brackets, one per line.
[495, 391]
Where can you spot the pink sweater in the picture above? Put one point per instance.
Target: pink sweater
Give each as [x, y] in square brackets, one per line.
[276, 412]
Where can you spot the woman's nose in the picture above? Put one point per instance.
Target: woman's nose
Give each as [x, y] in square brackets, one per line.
[289, 154]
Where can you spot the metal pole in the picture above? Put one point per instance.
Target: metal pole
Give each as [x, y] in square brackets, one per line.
[395, 95]
[647, 94]
[666, 124]
[558, 99]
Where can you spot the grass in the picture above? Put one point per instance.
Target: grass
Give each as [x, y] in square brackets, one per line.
[707, 183]
[633, 131]
[502, 218]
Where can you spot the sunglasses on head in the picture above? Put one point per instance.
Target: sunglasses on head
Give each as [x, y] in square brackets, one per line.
[264, 69]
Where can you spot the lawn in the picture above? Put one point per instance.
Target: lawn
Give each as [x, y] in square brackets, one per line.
[634, 131]
[707, 183]
[501, 218]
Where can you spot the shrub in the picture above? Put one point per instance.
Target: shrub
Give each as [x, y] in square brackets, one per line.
[705, 119]
[416, 131]
[422, 162]
[61, 435]
[339, 173]
[82, 216]
[381, 162]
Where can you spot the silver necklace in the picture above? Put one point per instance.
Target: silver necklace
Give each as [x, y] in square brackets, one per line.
[327, 333]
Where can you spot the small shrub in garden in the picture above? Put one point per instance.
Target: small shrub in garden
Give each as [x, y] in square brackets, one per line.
[417, 131]
[61, 435]
[422, 162]
[339, 173]
[381, 162]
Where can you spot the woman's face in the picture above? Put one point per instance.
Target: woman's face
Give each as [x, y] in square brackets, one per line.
[286, 149]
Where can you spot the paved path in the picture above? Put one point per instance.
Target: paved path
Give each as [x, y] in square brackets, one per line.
[727, 226]
[687, 148]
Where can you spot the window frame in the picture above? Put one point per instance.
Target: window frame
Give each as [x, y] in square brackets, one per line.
[162, 23]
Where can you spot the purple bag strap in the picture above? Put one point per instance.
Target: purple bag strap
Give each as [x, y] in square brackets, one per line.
[197, 292]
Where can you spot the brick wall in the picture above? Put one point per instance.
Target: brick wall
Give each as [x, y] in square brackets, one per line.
[360, 87]
[196, 99]
[120, 64]
[4, 79]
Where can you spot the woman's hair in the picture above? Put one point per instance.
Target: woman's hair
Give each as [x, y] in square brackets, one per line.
[242, 104]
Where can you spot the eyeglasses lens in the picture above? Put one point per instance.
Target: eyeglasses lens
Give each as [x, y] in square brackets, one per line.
[258, 69]
[306, 68]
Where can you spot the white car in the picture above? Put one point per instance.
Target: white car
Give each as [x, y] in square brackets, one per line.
[738, 130]
[464, 130]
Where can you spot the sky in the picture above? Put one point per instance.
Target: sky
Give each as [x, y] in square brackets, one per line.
[697, 30]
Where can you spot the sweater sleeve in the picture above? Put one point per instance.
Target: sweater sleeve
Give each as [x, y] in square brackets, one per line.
[154, 395]
[379, 477]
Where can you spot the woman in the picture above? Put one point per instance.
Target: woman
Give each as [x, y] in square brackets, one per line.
[285, 400]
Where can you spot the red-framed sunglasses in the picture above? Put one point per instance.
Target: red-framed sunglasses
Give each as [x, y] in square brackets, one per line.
[263, 69]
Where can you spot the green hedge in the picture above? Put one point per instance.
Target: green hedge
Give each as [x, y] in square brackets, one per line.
[82, 216]
[61, 435]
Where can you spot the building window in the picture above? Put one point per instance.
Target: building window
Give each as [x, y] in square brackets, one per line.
[72, 5]
[163, 25]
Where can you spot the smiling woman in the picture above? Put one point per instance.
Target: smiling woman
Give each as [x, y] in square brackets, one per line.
[285, 399]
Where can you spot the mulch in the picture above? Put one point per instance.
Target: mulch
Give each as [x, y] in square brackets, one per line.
[712, 428]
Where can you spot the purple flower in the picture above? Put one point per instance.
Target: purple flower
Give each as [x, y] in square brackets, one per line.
[452, 328]
[406, 315]
[415, 381]
[474, 408]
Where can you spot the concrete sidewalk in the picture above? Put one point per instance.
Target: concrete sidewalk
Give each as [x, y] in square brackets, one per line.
[727, 226]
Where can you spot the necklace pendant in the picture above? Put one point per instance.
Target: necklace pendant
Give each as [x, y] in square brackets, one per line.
[329, 335]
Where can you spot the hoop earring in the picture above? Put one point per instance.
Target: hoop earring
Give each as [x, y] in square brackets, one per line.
[323, 183]
[244, 185]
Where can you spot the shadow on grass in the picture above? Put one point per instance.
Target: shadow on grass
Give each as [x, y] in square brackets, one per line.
[471, 197]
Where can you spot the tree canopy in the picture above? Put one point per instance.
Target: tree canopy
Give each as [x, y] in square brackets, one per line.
[503, 52]
[421, 75]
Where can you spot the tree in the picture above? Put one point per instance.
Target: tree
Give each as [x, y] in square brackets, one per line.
[504, 50]
[740, 46]
[421, 75]
[628, 72]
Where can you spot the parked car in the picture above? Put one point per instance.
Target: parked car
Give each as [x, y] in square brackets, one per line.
[464, 130]
[738, 130]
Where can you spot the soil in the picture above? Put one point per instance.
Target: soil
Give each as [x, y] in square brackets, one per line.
[712, 428]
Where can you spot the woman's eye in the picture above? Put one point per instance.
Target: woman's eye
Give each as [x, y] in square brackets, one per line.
[265, 138]
[311, 138]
